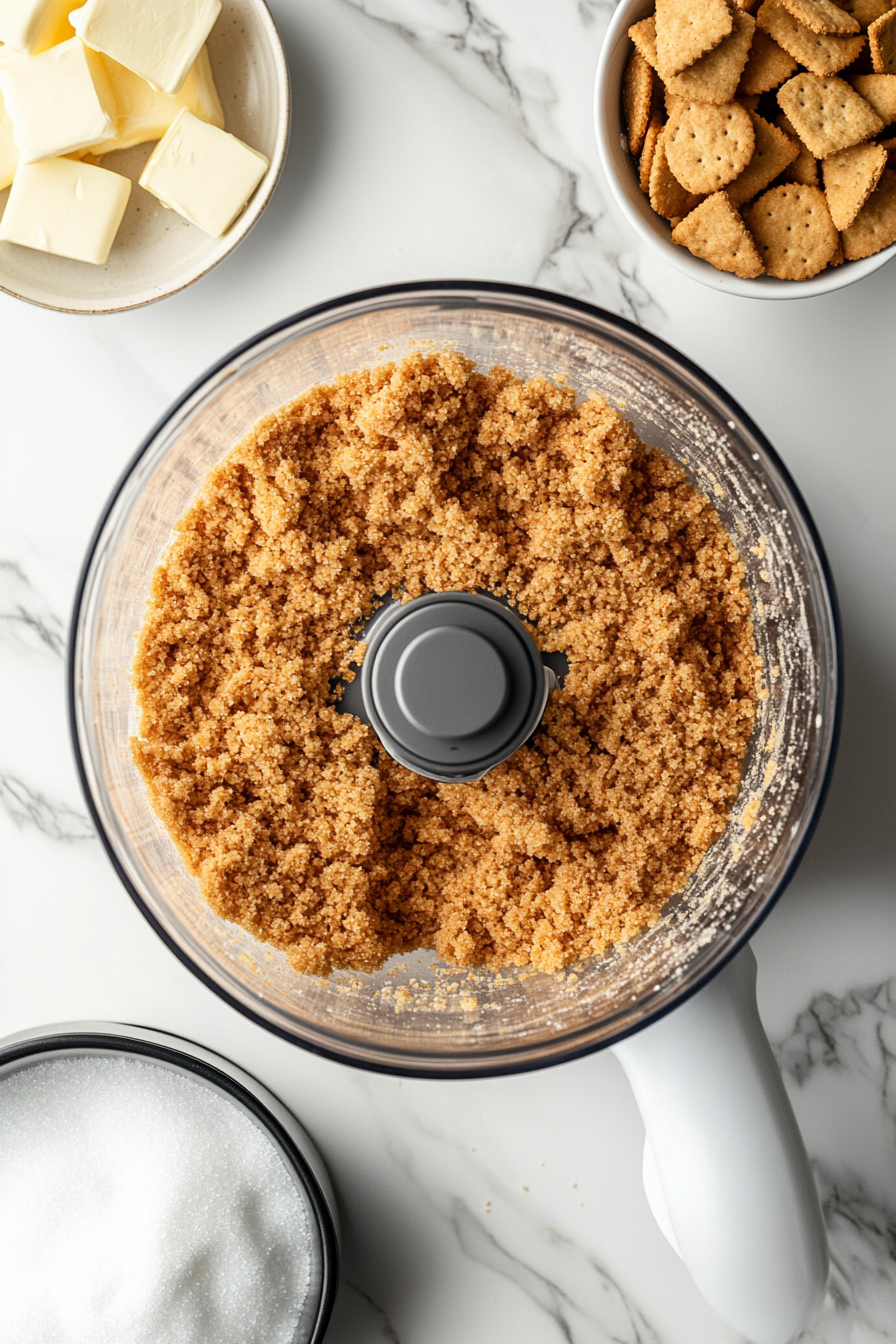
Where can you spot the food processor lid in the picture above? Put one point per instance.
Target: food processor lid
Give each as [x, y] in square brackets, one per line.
[453, 684]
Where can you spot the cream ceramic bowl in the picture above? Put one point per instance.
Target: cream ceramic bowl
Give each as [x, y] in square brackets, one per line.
[621, 173]
[157, 252]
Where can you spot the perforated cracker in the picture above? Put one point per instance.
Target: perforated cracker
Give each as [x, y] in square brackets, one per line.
[667, 196]
[645, 163]
[768, 65]
[827, 113]
[874, 227]
[866, 11]
[715, 232]
[882, 41]
[822, 16]
[793, 231]
[772, 152]
[687, 30]
[849, 179]
[643, 35]
[707, 146]
[804, 168]
[879, 91]
[822, 53]
[714, 78]
[637, 88]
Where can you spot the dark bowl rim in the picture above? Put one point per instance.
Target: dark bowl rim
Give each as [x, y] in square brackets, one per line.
[492, 1066]
[77, 1037]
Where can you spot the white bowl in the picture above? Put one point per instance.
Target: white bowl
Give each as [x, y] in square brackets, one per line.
[621, 173]
[157, 252]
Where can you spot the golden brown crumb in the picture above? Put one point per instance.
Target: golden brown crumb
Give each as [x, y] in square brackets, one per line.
[427, 476]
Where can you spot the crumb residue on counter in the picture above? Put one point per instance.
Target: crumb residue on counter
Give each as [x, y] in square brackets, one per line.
[420, 476]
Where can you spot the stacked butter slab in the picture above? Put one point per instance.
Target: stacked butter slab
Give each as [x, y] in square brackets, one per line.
[78, 84]
[765, 133]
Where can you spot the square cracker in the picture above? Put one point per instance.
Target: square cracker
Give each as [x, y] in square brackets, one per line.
[866, 11]
[772, 153]
[882, 41]
[767, 67]
[637, 89]
[822, 53]
[715, 232]
[804, 168]
[880, 92]
[714, 77]
[793, 231]
[648, 150]
[708, 146]
[874, 227]
[849, 179]
[643, 35]
[828, 115]
[822, 16]
[667, 196]
[686, 30]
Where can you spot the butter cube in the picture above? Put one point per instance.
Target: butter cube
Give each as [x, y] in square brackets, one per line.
[34, 25]
[59, 102]
[203, 173]
[67, 208]
[144, 113]
[9, 155]
[158, 39]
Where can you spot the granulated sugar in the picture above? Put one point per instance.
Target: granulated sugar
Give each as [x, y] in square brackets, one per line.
[140, 1207]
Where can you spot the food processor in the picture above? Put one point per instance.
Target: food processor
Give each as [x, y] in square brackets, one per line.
[725, 1170]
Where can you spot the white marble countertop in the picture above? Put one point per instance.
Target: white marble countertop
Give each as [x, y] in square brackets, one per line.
[433, 139]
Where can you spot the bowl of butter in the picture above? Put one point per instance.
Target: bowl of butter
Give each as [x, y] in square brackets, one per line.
[133, 157]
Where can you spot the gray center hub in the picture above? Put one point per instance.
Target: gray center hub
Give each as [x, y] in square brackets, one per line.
[453, 684]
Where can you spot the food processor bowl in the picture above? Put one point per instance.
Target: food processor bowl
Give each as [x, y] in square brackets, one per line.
[725, 1170]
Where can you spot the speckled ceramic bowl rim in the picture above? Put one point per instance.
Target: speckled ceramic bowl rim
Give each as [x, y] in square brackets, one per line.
[617, 165]
[246, 221]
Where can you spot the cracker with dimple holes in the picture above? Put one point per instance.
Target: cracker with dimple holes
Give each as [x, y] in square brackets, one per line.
[879, 91]
[849, 179]
[804, 168]
[667, 196]
[866, 11]
[822, 16]
[767, 67]
[882, 41]
[643, 35]
[715, 232]
[772, 152]
[687, 30]
[827, 113]
[822, 53]
[714, 78]
[708, 146]
[793, 231]
[637, 88]
[646, 161]
[874, 227]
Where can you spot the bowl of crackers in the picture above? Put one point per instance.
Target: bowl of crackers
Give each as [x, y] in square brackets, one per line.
[754, 143]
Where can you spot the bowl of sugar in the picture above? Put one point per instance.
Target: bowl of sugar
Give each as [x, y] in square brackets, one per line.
[154, 1191]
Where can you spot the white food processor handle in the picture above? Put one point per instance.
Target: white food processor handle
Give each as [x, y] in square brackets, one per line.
[725, 1169]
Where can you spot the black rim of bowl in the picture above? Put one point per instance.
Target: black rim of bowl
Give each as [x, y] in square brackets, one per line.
[467, 291]
[33, 1048]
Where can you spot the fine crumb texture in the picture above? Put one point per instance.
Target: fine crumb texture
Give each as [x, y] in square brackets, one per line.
[821, 53]
[645, 163]
[772, 153]
[686, 30]
[849, 179]
[866, 11]
[793, 231]
[879, 91]
[804, 168]
[667, 196]
[822, 16]
[708, 146]
[716, 233]
[882, 41]
[714, 78]
[874, 227]
[637, 87]
[768, 65]
[422, 476]
[827, 114]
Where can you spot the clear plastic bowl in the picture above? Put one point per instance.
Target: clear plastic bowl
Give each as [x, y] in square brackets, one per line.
[402, 1018]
